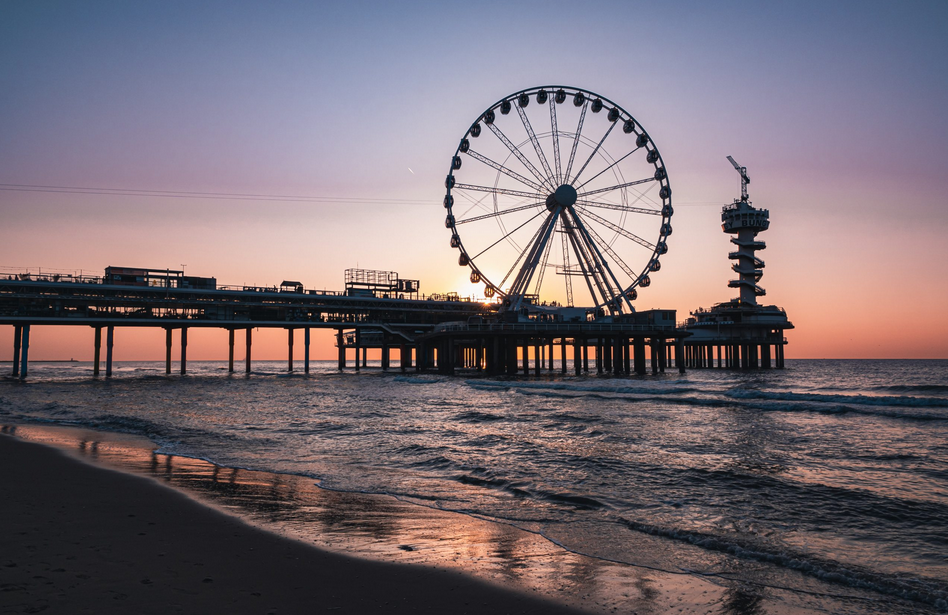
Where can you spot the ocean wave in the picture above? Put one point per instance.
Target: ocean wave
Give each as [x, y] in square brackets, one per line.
[596, 388]
[754, 402]
[869, 400]
[912, 388]
[476, 416]
[517, 489]
[415, 380]
[917, 589]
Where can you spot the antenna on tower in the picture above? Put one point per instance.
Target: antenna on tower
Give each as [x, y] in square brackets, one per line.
[744, 178]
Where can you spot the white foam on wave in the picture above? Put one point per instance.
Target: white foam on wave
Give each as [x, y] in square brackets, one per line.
[869, 400]
[576, 388]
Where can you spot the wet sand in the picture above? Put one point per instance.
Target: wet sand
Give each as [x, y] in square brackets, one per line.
[100, 522]
[83, 539]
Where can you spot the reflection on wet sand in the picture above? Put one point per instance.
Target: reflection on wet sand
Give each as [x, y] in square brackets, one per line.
[389, 529]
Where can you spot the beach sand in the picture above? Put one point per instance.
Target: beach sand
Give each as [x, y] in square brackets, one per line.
[100, 522]
[83, 539]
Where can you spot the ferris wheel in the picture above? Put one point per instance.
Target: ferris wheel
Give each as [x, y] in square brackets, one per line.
[560, 189]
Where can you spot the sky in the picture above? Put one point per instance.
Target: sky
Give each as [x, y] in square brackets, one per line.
[836, 109]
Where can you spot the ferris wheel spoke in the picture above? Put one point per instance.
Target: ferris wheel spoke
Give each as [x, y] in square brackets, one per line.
[523, 253]
[491, 189]
[619, 230]
[615, 294]
[595, 150]
[579, 130]
[473, 202]
[588, 265]
[540, 213]
[516, 152]
[567, 274]
[499, 167]
[606, 169]
[541, 270]
[536, 146]
[616, 206]
[612, 253]
[537, 248]
[556, 141]
[617, 187]
[479, 203]
[498, 213]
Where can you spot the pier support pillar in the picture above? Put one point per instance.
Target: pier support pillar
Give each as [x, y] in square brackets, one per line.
[24, 352]
[97, 349]
[17, 341]
[765, 356]
[249, 344]
[404, 357]
[577, 357]
[340, 344]
[510, 345]
[661, 355]
[289, 344]
[585, 348]
[563, 355]
[385, 353]
[306, 350]
[780, 362]
[358, 348]
[184, 350]
[230, 351]
[638, 350]
[168, 351]
[679, 362]
[109, 339]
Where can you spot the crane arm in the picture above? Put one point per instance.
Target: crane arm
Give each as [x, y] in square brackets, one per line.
[744, 178]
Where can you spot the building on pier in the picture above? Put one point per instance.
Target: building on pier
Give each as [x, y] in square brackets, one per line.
[740, 333]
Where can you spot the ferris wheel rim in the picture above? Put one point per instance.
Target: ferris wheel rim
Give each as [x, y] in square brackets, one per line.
[552, 184]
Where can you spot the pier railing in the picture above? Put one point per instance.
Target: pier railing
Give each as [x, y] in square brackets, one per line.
[583, 327]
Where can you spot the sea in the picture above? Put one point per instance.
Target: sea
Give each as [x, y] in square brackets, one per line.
[822, 487]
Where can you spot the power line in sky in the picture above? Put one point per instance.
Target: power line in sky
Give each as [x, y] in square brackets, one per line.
[232, 196]
[176, 194]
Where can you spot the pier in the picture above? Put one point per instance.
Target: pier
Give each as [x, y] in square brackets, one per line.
[435, 333]
[169, 301]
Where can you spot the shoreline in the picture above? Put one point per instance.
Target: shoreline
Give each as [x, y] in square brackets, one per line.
[80, 538]
[453, 556]
[450, 557]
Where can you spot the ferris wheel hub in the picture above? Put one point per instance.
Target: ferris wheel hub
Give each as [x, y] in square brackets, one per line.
[565, 196]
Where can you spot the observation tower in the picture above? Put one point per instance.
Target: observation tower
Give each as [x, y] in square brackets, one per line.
[740, 333]
[740, 218]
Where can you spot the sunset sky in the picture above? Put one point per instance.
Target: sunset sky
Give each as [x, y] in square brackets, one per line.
[838, 110]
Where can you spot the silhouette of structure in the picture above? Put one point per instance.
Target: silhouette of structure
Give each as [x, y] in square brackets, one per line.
[740, 332]
[578, 201]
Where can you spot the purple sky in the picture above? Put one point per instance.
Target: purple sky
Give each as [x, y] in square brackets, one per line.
[837, 109]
